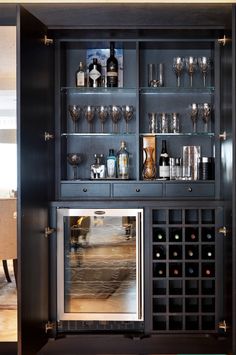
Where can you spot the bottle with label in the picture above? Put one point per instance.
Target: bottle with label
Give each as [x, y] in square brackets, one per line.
[98, 169]
[111, 164]
[95, 74]
[123, 162]
[112, 68]
[164, 165]
[80, 76]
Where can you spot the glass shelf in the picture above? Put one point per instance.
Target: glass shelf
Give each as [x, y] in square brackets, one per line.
[97, 134]
[99, 90]
[190, 134]
[176, 90]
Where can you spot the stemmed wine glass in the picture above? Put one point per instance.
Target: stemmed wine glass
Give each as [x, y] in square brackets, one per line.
[115, 113]
[204, 65]
[89, 112]
[102, 115]
[128, 111]
[205, 112]
[74, 159]
[75, 113]
[191, 64]
[178, 65]
[194, 115]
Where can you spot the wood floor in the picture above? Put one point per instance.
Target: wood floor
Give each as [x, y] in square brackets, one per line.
[8, 306]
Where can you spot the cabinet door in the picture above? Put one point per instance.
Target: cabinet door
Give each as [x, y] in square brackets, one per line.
[34, 177]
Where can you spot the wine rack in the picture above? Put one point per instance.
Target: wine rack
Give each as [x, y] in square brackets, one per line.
[184, 270]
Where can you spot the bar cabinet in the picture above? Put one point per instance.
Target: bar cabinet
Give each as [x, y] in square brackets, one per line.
[186, 244]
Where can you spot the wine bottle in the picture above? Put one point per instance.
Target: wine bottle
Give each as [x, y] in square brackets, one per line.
[123, 162]
[159, 252]
[95, 72]
[208, 252]
[159, 237]
[159, 270]
[112, 68]
[164, 164]
[175, 252]
[191, 270]
[80, 77]
[176, 235]
[175, 270]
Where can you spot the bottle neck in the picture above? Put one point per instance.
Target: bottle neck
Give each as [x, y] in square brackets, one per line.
[112, 49]
[163, 150]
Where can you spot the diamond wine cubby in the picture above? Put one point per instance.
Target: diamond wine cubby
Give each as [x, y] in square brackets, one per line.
[184, 251]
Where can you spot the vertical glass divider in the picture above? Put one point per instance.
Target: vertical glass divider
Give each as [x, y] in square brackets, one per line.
[138, 142]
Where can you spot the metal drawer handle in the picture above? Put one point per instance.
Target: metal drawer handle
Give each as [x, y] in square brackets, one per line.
[137, 190]
[190, 189]
[84, 189]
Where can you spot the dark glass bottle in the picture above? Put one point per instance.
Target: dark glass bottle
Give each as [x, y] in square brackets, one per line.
[112, 68]
[159, 252]
[175, 270]
[95, 74]
[164, 164]
[175, 252]
[80, 77]
[159, 270]
[191, 270]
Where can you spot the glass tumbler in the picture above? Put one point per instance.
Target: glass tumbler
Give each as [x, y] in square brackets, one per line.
[164, 127]
[153, 127]
[174, 123]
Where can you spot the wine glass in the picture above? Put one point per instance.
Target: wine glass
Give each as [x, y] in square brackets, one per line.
[74, 159]
[178, 65]
[89, 112]
[205, 112]
[102, 115]
[191, 65]
[194, 115]
[75, 113]
[115, 113]
[128, 111]
[204, 65]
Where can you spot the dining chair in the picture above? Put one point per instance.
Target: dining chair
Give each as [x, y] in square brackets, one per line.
[8, 235]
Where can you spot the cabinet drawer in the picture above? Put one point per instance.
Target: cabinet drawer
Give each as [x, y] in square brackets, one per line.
[85, 190]
[138, 190]
[197, 189]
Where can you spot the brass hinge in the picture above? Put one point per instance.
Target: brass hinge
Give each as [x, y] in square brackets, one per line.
[49, 326]
[48, 231]
[48, 136]
[223, 326]
[223, 230]
[223, 40]
[223, 136]
[47, 41]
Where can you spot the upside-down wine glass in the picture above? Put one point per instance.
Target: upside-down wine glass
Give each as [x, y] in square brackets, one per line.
[75, 113]
[194, 115]
[204, 65]
[74, 159]
[178, 66]
[115, 113]
[102, 115]
[205, 112]
[89, 112]
[191, 65]
[128, 111]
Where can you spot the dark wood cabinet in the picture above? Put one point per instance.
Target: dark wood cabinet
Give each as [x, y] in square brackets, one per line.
[189, 288]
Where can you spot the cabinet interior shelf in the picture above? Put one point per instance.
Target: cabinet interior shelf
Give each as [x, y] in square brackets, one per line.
[176, 90]
[97, 134]
[99, 90]
[208, 134]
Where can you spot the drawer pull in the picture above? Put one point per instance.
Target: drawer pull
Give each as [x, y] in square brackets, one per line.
[85, 190]
[137, 190]
[190, 189]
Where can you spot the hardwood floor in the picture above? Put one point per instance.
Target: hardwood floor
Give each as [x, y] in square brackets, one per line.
[8, 306]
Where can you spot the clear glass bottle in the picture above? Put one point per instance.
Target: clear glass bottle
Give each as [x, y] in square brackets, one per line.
[111, 164]
[123, 162]
[112, 68]
[95, 74]
[80, 77]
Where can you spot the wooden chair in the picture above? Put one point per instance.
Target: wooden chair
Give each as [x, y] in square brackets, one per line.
[8, 235]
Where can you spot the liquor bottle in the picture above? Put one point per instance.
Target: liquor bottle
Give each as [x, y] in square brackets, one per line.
[159, 252]
[98, 169]
[112, 68]
[164, 165]
[95, 72]
[111, 164]
[80, 78]
[123, 162]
